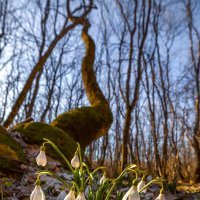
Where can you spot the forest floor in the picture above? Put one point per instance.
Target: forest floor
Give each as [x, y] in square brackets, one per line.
[20, 189]
[19, 185]
[15, 190]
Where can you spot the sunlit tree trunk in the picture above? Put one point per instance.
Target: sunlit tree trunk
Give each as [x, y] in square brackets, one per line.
[130, 103]
[195, 57]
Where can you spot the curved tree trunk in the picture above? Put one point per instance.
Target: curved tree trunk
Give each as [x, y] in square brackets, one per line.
[88, 123]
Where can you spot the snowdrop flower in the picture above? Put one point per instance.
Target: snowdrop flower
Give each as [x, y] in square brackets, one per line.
[161, 197]
[81, 196]
[62, 195]
[140, 185]
[132, 194]
[41, 158]
[127, 193]
[75, 161]
[37, 194]
[103, 179]
[132, 166]
[70, 196]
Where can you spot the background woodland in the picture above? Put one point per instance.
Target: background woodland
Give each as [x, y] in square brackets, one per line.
[147, 64]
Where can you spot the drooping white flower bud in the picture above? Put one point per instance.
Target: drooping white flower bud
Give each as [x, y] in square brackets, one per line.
[161, 197]
[140, 185]
[81, 196]
[134, 194]
[132, 166]
[37, 194]
[103, 179]
[127, 193]
[75, 161]
[41, 158]
[70, 196]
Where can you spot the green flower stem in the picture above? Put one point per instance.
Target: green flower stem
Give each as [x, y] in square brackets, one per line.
[60, 153]
[82, 185]
[144, 177]
[99, 168]
[91, 174]
[80, 157]
[162, 189]
[128, 168]
[113, 183]
[136, 174]
[156, 180]
[87, 169]
[44, 172]
[43, 146]
[37, 182]
[90, 177]
[146, 186]
[75, 185]
[111, 189]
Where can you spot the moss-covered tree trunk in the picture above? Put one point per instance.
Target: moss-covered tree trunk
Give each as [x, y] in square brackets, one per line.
[81, 125]
[88, 123]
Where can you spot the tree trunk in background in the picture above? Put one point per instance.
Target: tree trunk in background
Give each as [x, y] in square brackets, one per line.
[35, 91]
[152, 112]
[195, 57]
[130, 98]
[126, 138]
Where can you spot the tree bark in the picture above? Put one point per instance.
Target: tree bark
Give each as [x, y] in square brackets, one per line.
[88, 123]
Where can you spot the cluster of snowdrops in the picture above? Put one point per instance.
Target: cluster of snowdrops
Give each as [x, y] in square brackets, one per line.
[83, 186]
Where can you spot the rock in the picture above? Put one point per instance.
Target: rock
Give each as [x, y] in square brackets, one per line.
[11, 153]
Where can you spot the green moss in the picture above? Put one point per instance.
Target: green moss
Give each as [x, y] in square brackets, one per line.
[34, 133]
[83, 124]
[87, 124]
[11, 152]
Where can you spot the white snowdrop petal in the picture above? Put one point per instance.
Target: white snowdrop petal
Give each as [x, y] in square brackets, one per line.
[75, 161]
[37, 194]
[161, 197]
[134, 195]
[70, 196]
[103, 179]
[127, 193]
[140, 185]
[81, 196]
[41, 159]
[32, 194]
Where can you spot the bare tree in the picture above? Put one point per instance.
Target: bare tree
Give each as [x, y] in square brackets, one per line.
[130, 98]
[194, 37]
[39, 66]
